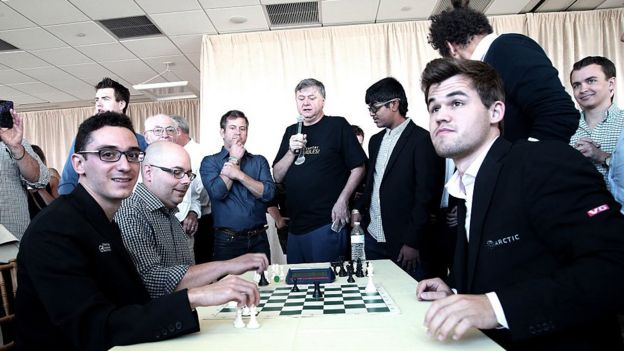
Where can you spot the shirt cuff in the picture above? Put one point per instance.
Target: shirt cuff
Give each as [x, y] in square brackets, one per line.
[498, 309]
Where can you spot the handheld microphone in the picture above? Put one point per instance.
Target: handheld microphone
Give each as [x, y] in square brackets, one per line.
[299, 126]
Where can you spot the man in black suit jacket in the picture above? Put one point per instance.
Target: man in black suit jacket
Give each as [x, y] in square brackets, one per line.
[403, 186]
[78, 288]
[537, 105]
[540, 250]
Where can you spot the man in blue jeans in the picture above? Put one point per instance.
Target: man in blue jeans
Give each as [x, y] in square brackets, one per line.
[240, 186]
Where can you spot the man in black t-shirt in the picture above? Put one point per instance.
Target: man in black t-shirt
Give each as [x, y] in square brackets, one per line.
[318, 190]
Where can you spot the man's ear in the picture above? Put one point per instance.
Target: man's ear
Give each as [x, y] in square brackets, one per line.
[497, 112]
[452, 49]
[122, 104]
[77, 162]
[222, 133]
[147, 173]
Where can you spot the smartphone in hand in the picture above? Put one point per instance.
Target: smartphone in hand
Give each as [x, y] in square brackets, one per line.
[6, 119]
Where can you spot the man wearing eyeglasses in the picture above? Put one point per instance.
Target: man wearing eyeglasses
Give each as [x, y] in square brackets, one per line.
[240, 186]
[78, 288]
[404, 183]
[153, 235]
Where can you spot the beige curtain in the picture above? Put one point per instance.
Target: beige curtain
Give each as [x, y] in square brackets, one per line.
[54, 130]
[257, 72]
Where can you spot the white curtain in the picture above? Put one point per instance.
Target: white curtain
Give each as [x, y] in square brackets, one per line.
[257, 72]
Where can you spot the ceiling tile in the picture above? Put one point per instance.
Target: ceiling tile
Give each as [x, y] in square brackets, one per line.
[189, 22]
[47, 74]
[55, 96]
[13, 77]
[554, 5]
[212, 4]
[10, 19]
[82, 33]
[23, 99]
[401, 10]
[48, 11]
[75, 87]
[31, 39]
[106, 52]
[608, 4]
[89, 72]
[44, 92]
[98, 10]
[501, 7]
[180, 63]
[161, 6]
[21, 59]
[188, 43]
[348, 11]
[133, 71]
[151, 47]
[195, 59]
[62, 56]
[254, 15]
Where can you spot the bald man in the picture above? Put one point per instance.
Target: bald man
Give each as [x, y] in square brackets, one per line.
[155, 238]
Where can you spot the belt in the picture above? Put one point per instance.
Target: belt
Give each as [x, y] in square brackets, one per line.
[250, 232]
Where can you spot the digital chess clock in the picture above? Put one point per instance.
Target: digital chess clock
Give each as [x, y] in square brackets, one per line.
[311, 276]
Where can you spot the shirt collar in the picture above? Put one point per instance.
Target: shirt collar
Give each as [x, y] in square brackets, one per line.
[152, 202]
[483, 47]
[398, 130]
[467, 180]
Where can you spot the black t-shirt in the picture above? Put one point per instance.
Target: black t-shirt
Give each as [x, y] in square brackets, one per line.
[332, 151]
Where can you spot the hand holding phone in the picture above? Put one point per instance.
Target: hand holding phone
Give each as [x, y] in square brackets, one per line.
[6, 118]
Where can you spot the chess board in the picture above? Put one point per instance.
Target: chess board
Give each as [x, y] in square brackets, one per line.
[337, 299]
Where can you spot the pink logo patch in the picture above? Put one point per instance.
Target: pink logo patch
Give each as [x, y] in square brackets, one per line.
[597, 210]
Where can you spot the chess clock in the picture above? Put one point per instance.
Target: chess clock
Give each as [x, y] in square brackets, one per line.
[311, 275]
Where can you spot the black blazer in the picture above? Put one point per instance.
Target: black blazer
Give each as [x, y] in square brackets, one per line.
[548, 238]
[78, 288]
[536, 104]
[410, 190]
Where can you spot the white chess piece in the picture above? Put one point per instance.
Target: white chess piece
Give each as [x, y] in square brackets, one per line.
[245, 311]
[253, 322]
[238, 322]
[256, 277]
[370, 287]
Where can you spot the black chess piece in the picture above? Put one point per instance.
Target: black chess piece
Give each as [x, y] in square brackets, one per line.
[334, 266]
[359, 271]
[317, 294]
[350, 271]
[342, 272]
[263, 280]
[295, 288]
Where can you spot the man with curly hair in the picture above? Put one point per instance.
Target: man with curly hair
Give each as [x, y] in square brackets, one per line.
[538, 107]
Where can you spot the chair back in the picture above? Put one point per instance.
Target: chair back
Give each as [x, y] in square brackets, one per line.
[8, 288]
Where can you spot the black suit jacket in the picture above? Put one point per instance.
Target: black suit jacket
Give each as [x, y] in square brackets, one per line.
[410, 190]
[536, 104]
[78, 288]
[548, 238]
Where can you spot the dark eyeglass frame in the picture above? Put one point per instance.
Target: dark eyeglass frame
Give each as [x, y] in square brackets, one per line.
[177, 173]
[373, 108]
[158, 131]
[116, 155]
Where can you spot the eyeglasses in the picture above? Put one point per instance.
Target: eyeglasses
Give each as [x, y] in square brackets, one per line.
[373, 108]
[177, 173]
[159, 131]
[112, 155]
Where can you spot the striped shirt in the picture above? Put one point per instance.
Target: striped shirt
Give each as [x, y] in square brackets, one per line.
[155, 240]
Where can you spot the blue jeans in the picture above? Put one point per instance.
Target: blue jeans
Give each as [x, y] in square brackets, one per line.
[227, 246]
[320, 245]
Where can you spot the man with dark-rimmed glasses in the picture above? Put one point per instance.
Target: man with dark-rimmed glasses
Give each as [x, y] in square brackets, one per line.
[153, 235]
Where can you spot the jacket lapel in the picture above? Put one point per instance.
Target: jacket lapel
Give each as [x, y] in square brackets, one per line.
[482, 196]
[405, 136]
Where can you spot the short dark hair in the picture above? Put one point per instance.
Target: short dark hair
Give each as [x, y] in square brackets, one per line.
[232, 114]
[121, 93]
[484, 78]
[93, 123]
[456, 26]
[387, 89]
[311, 82]
[608, 68]
[357, 130]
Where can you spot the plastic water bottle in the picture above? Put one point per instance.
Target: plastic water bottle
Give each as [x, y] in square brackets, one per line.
[357, 243]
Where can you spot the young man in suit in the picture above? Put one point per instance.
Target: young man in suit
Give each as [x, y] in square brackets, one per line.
[540, 251]
[404, 183]
[78, 288]
[537, 105]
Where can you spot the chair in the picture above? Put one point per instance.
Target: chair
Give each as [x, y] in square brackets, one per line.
[8, 288]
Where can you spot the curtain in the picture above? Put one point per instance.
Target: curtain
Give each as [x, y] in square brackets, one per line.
[257, 72]
[54, 130]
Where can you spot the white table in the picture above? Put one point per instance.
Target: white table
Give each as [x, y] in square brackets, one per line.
[383, 331]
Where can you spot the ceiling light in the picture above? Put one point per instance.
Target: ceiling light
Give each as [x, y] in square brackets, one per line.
[238, 19]
[162, 91]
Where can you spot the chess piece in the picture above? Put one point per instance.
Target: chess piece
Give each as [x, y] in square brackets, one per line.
[253, 322]
[350, 271]
[359, 271]
[317, 294]
[370, 287]
[263, 280]
[342, 272]
[238, 322]
[295, 288]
